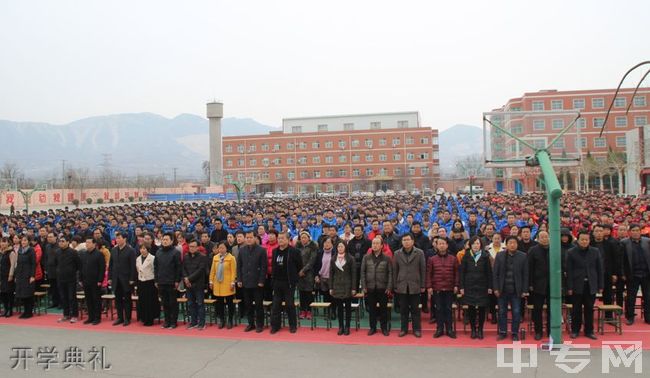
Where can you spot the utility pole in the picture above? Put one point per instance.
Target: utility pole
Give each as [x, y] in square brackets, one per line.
[62, 173]
[174, 169]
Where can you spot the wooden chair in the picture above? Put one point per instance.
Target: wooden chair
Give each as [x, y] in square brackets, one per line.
[326, 307]
[616, 321]
[108, 302]
[40, 301]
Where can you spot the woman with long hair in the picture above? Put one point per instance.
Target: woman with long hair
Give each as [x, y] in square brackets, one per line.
[148, 304]
[476, 284]
[342, 280]
[223, 274]
[25, 276]
[8, 259]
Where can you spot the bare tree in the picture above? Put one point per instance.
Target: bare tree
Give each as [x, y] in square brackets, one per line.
[471, 165]
[205, 167]
[618, 163]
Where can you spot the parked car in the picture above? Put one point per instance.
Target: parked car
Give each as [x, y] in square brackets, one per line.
[403, 192]
[356, 193]
[415, 192]
[440, 191]
[380, 193]
[268, 195]
[390, 192]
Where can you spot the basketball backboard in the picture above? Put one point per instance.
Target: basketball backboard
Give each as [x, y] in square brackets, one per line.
[510, 138]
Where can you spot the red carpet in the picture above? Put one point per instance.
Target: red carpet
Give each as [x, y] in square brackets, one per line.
[639, 331]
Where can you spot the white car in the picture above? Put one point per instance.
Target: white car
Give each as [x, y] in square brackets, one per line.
[415, 192]
[390, 192]
[268, 195]
[440, 191]
[403, 192]
[380, 193]
[356, 193]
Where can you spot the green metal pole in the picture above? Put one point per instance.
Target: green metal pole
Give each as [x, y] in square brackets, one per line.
[554, 193]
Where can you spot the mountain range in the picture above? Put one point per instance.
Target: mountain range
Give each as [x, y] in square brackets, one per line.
[150, 144]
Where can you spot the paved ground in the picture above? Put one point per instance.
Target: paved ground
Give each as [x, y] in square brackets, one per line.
[134, 355]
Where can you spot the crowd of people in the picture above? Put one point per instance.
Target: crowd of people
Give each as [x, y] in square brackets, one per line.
[488, 253]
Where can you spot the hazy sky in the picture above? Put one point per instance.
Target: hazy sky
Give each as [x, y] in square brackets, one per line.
[65, 60]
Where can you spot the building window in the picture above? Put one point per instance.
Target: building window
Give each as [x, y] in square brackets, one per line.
[322, 127]
[369, 172]
[434, 140]
[402, 124]
[410, 156]
[598, 103]
[435, 155]
[411, 171]
[538, 105]
[383, 157]
[368, 157]
[369, 143]
[621, 121]
[517, 129]
[396, 142]
[302, 160]
[278, 175]
[329, 159]
[290, 146]
[316, 159]
[240, 148]
[290, 160]
[277, 161]
[303, 174]
[424, 156]
[639, 101]
[355, 143]
[240, 162]
[228, 163]
[291, 175]
[578, 103]
[343, 173]
[383, 172]
[315, 145]
[343, 158]
[621, 141]
[382, 141]
[539, 143]
[581, 123]
[556, 105]
[316, 174]
[252, 148]
[302, 145]
[341, 144]
[252, 162]
[348, 126]
[619, 102]
[228, 148]
[375, 125]
[397, 171]
[424, 141]
[598, 122]
[265, 147]
[558, 124]
[599, 143]
[329, 144]
[424, 171]
[640, 121]
[356, 158]
[356, 172]
[276, 147]
[559, 144]
[410, 140]
[296, 129]
[582, 144]
[265, 162]
[397, 157]
[539, 125]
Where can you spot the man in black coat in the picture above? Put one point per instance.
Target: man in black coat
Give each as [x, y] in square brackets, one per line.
[91, 277]
[68, 265]
[612, 264]
[251, 273]
[358, 246]
[510, 286]
[636, 262]
[286, 263]
[218, 234]
[121, 277]
[538, 272]
[584, 280]
[50, 260]
[194, 278]
[167, 270]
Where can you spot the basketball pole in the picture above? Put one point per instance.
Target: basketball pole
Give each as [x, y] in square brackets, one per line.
[554, 194]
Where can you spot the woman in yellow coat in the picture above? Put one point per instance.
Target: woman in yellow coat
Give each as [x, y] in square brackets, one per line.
[223, 275]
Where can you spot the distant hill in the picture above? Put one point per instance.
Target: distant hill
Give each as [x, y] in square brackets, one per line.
[139, 143]
[456, 142]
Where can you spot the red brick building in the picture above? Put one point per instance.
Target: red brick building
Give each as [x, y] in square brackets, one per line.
[364, 152]
[592, 105]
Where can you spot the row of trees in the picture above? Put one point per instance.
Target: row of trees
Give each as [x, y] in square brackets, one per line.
[612, 165]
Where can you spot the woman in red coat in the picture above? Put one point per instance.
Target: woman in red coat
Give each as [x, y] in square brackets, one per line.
[39, 270]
